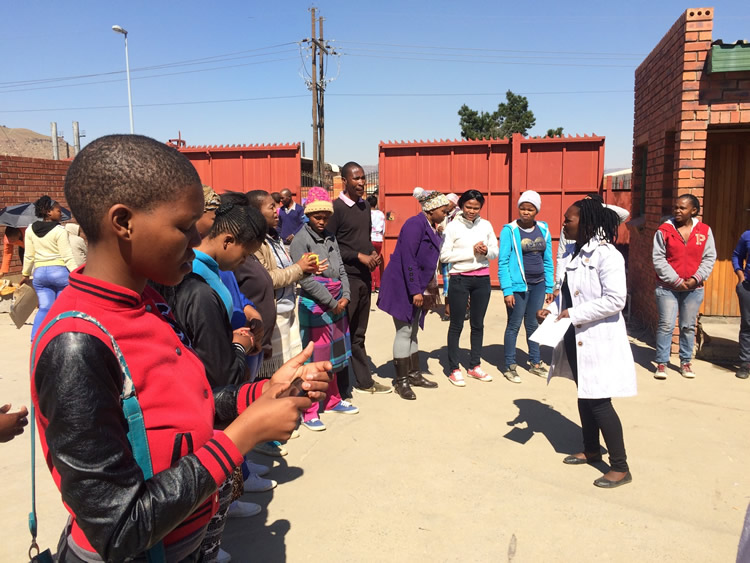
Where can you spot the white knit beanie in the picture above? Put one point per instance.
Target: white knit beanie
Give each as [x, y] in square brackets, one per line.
[530, 196]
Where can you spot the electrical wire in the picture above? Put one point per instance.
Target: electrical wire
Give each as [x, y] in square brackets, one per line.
[445, 48]
[203, 60]
[475, 55]
[362, 95]
[145, 77]
[158, 104]
[442, 59]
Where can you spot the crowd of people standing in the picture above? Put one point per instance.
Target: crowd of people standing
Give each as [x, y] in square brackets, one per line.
[265, 324]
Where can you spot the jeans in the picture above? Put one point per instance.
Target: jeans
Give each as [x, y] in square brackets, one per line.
[444, 269]
[460, 290]
[743, 294]
[670, 302]
[48, 282]
[527, 304]
[405, 344]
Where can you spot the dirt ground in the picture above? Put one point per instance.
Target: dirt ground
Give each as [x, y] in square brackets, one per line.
[469, 474]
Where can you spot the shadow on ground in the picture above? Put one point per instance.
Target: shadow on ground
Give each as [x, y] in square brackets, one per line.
[563, 434]
[255, 538]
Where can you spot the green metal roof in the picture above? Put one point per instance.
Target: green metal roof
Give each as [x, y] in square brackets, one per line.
[732, 57]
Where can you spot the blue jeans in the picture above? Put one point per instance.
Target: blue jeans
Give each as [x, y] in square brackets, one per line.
[48, 282]
[444, 269]
[527, 304]
[670, 302]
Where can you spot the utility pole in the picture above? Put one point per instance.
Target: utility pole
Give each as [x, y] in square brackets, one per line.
[317, 85]
[55, 146]
[321, 106]
[314, 47]
[76, 139]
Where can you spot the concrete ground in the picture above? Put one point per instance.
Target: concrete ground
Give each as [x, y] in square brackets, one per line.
[469, 474]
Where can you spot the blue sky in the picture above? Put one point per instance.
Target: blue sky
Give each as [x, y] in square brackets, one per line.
[405, 68]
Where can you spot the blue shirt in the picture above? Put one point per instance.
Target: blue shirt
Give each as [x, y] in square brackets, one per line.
[291, 220]
[239, 301]
[740, 256]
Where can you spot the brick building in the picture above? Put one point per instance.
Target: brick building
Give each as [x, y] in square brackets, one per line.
[690, 135]
[24, 179]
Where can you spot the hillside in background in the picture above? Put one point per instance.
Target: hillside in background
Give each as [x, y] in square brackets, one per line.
[24, 142]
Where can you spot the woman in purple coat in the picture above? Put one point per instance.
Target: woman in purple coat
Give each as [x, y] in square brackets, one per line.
[409, 287]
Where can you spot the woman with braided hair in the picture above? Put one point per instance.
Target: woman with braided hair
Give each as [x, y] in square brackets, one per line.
[595, 352]
[203, 307]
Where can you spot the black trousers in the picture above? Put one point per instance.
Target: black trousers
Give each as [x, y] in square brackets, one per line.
[597, 415]
[358, 312]
[460, 289]
[743, 294]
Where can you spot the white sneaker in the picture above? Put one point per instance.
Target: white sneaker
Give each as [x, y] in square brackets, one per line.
[257, 484]
[257, 468]
[223, 556]
[240, 509]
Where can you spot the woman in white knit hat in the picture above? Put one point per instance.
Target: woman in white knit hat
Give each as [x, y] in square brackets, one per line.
[526, 269]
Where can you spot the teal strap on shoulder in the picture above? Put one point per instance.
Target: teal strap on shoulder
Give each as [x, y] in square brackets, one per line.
[133, 414]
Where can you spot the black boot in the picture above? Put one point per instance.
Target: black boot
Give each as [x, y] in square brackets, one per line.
[401, 381]
[415, 374]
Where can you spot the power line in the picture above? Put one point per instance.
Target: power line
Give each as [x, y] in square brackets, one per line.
[547, 57]
[158, 104]
[203, 60]
[442, 59]
[358, 95]
[151, 76]
[445, 48]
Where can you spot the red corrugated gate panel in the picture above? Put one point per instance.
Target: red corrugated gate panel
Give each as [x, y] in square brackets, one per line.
[561, 169]
[244, 168]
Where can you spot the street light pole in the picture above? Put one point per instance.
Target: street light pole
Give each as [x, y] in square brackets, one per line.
[119, 29]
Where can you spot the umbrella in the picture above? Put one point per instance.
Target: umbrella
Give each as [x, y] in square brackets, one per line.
[22, 215]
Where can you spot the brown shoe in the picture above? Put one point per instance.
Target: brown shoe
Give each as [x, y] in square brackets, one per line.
[375, 389]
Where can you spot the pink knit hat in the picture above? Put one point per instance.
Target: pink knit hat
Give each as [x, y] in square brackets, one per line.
[318, 200]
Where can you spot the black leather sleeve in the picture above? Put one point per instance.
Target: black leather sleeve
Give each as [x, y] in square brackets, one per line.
[78, 381]
[225, 403]
[200, 312]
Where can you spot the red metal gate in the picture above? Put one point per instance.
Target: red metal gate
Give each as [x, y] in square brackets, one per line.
[561, 169]
[248, 167]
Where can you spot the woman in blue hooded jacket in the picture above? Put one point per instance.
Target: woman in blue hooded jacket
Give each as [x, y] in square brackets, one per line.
[526, 272]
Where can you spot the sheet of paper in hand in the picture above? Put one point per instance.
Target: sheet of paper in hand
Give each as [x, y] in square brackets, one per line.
[551, 331]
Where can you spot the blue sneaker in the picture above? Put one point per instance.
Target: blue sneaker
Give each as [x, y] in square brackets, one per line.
[314, 424]
[344, 407]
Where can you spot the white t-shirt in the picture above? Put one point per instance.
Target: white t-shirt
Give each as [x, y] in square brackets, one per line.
[378, 225]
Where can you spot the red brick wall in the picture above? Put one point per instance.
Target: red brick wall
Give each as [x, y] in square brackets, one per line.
[24, 180]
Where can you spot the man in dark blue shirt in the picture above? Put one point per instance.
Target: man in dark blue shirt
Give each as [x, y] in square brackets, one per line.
[291, 217]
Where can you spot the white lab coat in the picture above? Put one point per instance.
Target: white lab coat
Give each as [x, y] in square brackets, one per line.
[596, 279]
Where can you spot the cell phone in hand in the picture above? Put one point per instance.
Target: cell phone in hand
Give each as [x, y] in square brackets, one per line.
[294, 389]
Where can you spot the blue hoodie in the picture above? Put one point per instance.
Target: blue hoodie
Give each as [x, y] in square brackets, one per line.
[510, 260]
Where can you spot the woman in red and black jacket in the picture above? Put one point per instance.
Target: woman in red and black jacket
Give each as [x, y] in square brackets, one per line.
[138, 200]
[684, 254]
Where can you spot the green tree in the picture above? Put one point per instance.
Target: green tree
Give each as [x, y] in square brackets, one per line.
[512, 116]
[555, 132]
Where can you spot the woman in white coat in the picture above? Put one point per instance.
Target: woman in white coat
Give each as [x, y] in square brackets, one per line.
[595, 351]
